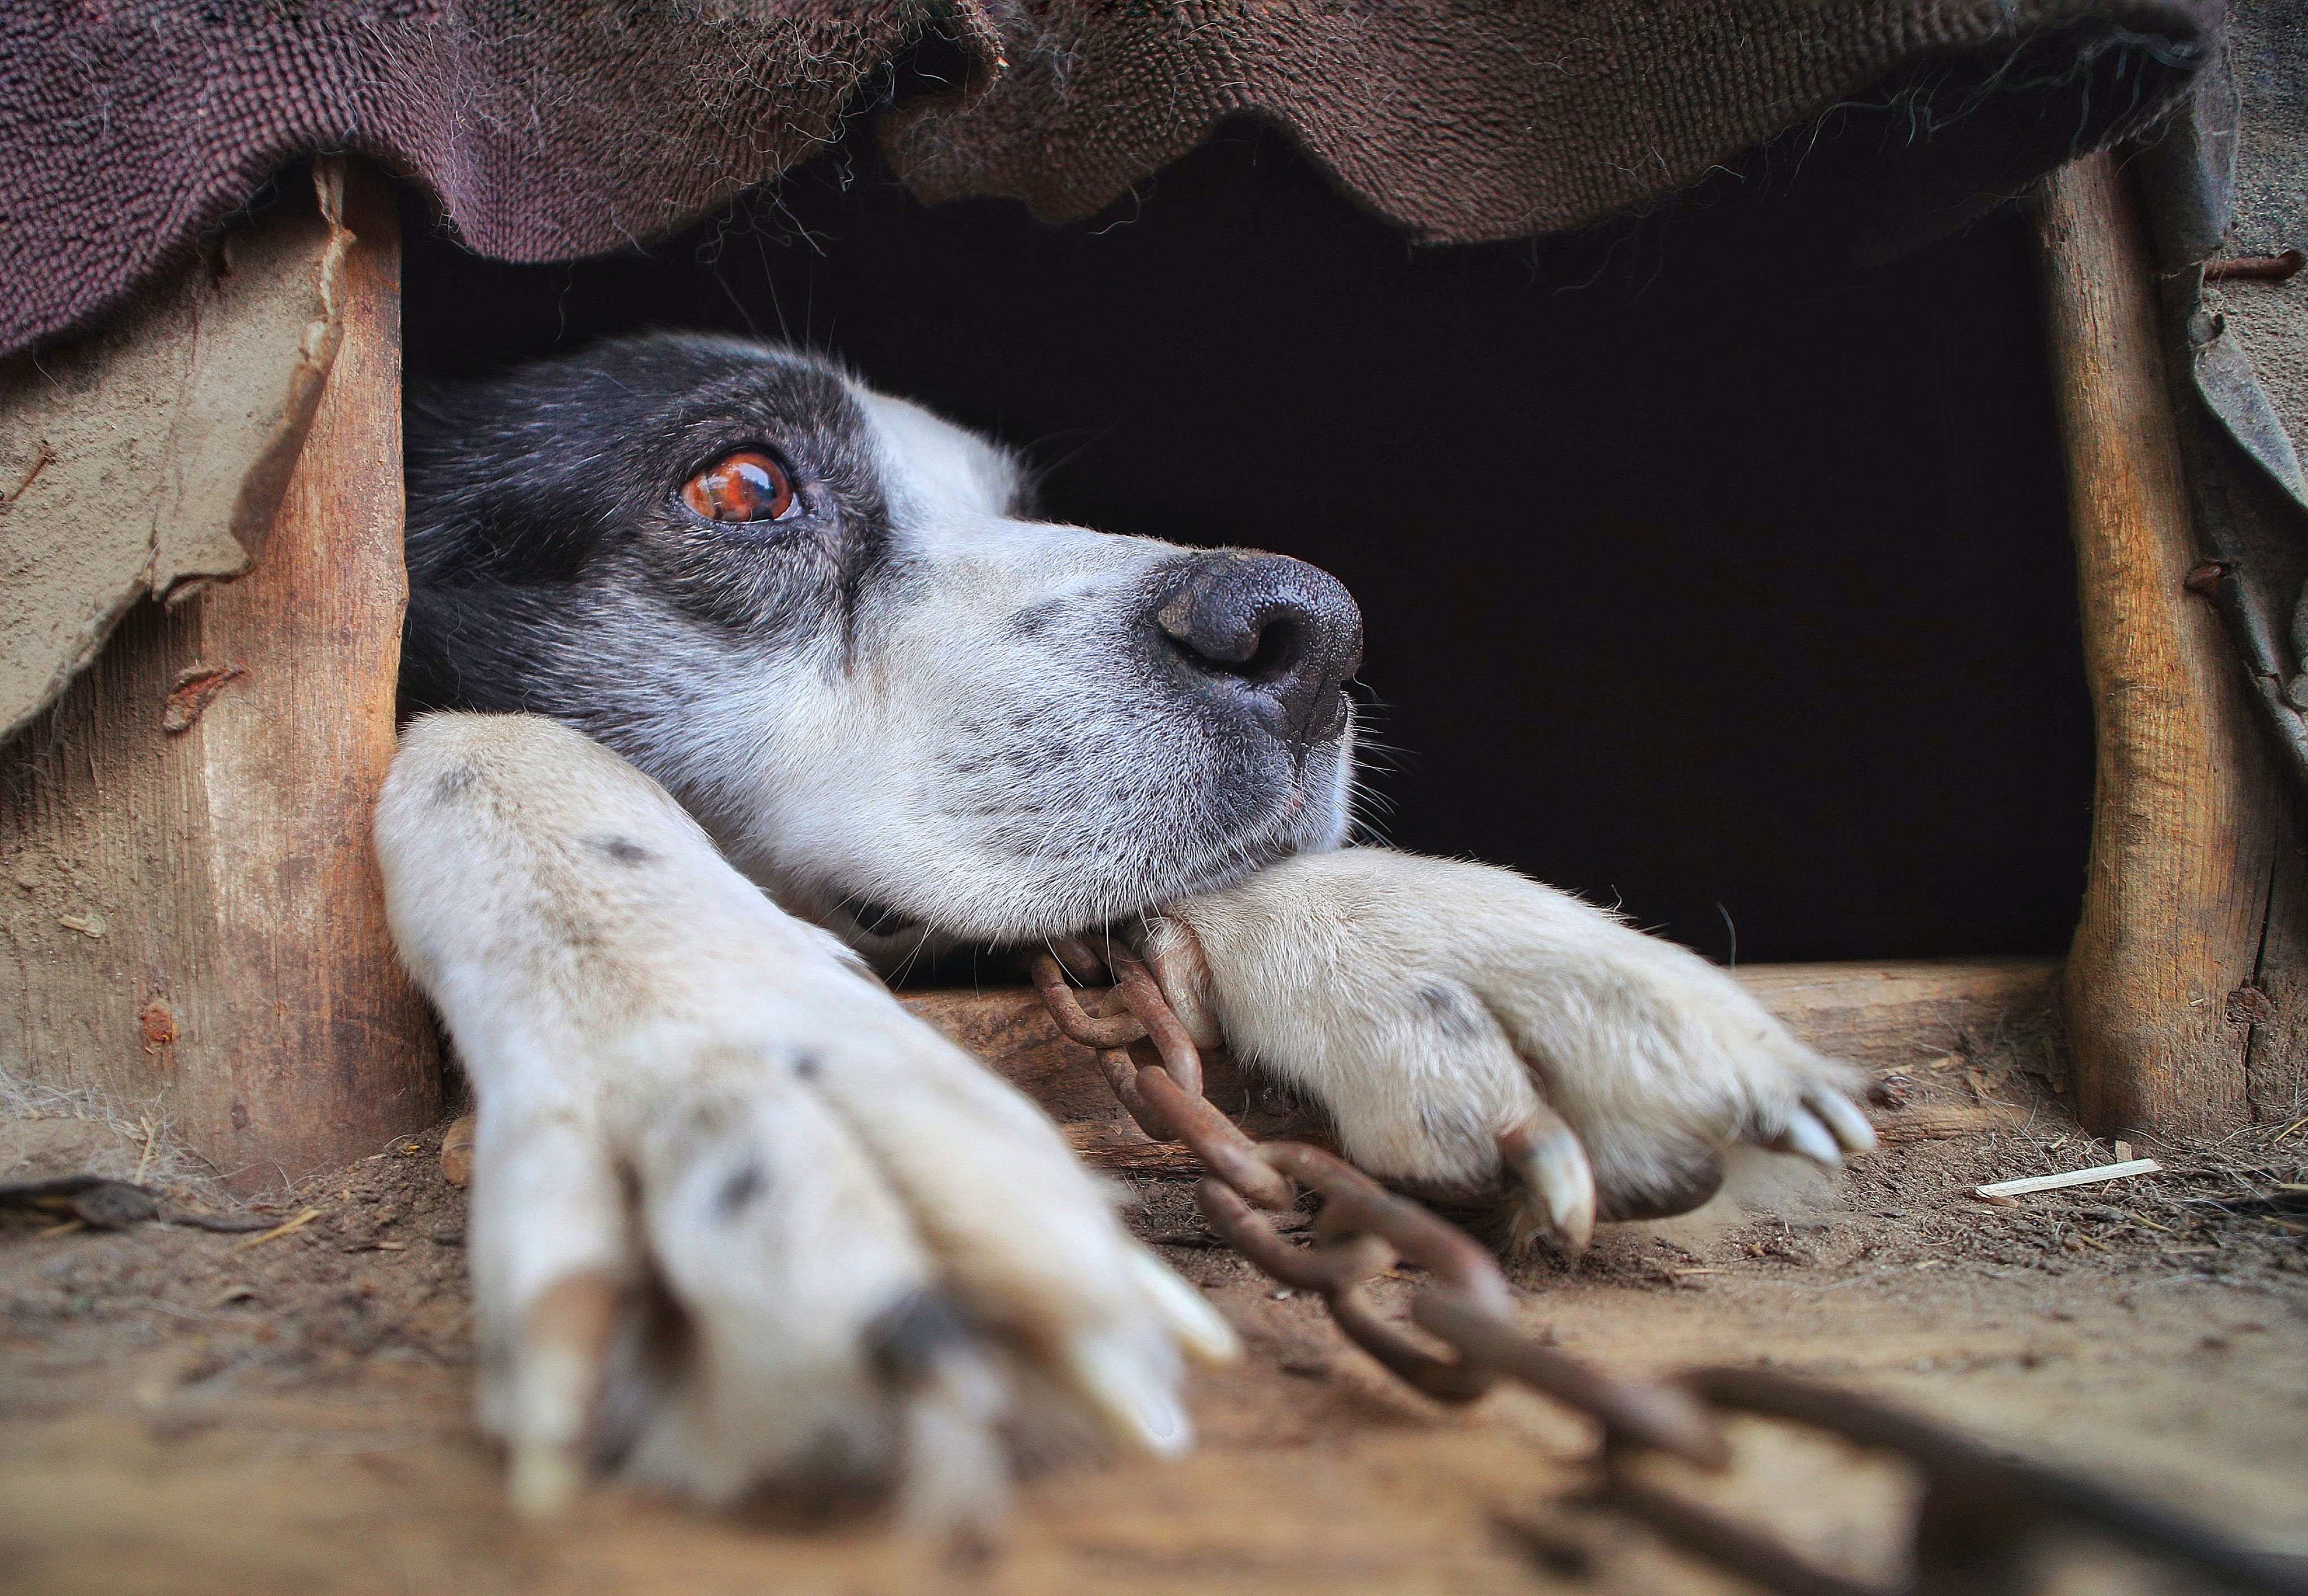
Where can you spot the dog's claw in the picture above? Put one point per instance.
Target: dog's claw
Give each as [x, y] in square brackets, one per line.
[556, 1383]
[1138, 1409]
[1558, 1182]
[1807, 1138]
[542, 1479]
[1842, 1117]
[1200, 1330]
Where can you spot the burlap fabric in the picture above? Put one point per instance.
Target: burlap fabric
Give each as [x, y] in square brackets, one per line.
[549, 129]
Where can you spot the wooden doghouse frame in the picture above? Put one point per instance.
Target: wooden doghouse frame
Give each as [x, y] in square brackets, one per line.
[198, 912]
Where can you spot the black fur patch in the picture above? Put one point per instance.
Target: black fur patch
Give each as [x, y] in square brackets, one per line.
[740, 1190]
[1458, 1014]
[906, 1339]
[545, 502]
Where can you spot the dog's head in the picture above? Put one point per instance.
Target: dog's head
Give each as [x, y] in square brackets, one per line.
[825, 619]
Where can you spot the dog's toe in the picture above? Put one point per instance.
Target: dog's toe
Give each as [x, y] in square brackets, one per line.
[854, 1267]
[737, 1299]
[1459, 1022]
[1025, 1237]
[788, 1261]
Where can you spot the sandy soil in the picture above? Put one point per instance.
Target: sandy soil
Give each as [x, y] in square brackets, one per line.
[188, 1412]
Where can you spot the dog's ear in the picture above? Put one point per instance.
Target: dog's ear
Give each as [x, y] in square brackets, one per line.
[494, 494]
[517, 476]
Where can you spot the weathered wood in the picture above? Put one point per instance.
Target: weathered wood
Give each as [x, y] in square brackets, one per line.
[150, 457]
[2275, 1005]
[2186, 817]
[1941, 1122]
[196, 915]
[1880, 1015]
[1898, 1013]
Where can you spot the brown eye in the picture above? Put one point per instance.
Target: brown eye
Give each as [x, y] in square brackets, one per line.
[744, 486]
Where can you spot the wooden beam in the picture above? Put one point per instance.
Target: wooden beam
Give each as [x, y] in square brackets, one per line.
[1880, 1016]
[1899, 1013]
[2186, 816]
[196, 915]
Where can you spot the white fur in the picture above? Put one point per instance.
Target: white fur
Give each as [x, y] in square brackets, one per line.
[678, 1082]
[1430, 1005]
[888, 763]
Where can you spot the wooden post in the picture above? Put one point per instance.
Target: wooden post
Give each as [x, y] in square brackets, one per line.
[196, 912]
[2187, 817]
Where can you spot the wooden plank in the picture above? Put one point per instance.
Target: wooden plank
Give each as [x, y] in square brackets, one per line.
[1897, 1013]
[2185, 818]
[1880, 1016]
[197, 914]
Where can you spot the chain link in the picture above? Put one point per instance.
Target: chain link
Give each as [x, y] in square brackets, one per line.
[1982, 1515]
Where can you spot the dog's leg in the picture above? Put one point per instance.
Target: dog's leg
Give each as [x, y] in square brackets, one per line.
[737, 1216]
[1435, 1007]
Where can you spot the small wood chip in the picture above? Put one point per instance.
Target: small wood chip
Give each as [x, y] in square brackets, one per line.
[2105, 1171]
[298, 1223]
[195, 688]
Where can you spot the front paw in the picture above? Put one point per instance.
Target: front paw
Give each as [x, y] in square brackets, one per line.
[849, 1256]
[737, 1218]
[1459, 1021]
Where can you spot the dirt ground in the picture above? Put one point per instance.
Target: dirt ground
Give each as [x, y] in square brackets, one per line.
[186, 1412]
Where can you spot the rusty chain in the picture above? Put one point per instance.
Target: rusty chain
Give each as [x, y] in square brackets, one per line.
[1983, 1516]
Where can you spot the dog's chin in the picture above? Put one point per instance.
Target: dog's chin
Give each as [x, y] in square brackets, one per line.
[1301, 824]
[1310, 817]
[1038, 898]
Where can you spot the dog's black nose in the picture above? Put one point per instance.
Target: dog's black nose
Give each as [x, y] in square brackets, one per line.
[1284, 631]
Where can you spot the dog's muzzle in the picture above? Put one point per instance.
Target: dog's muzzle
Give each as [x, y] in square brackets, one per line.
[1276, 635]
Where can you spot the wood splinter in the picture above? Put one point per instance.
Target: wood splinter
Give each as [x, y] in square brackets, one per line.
[195, 690]
[2105, 1171]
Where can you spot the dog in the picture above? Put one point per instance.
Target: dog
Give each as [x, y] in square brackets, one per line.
[739, 680]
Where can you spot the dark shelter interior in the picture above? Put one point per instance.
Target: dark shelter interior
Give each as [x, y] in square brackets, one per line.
[1706, 570]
